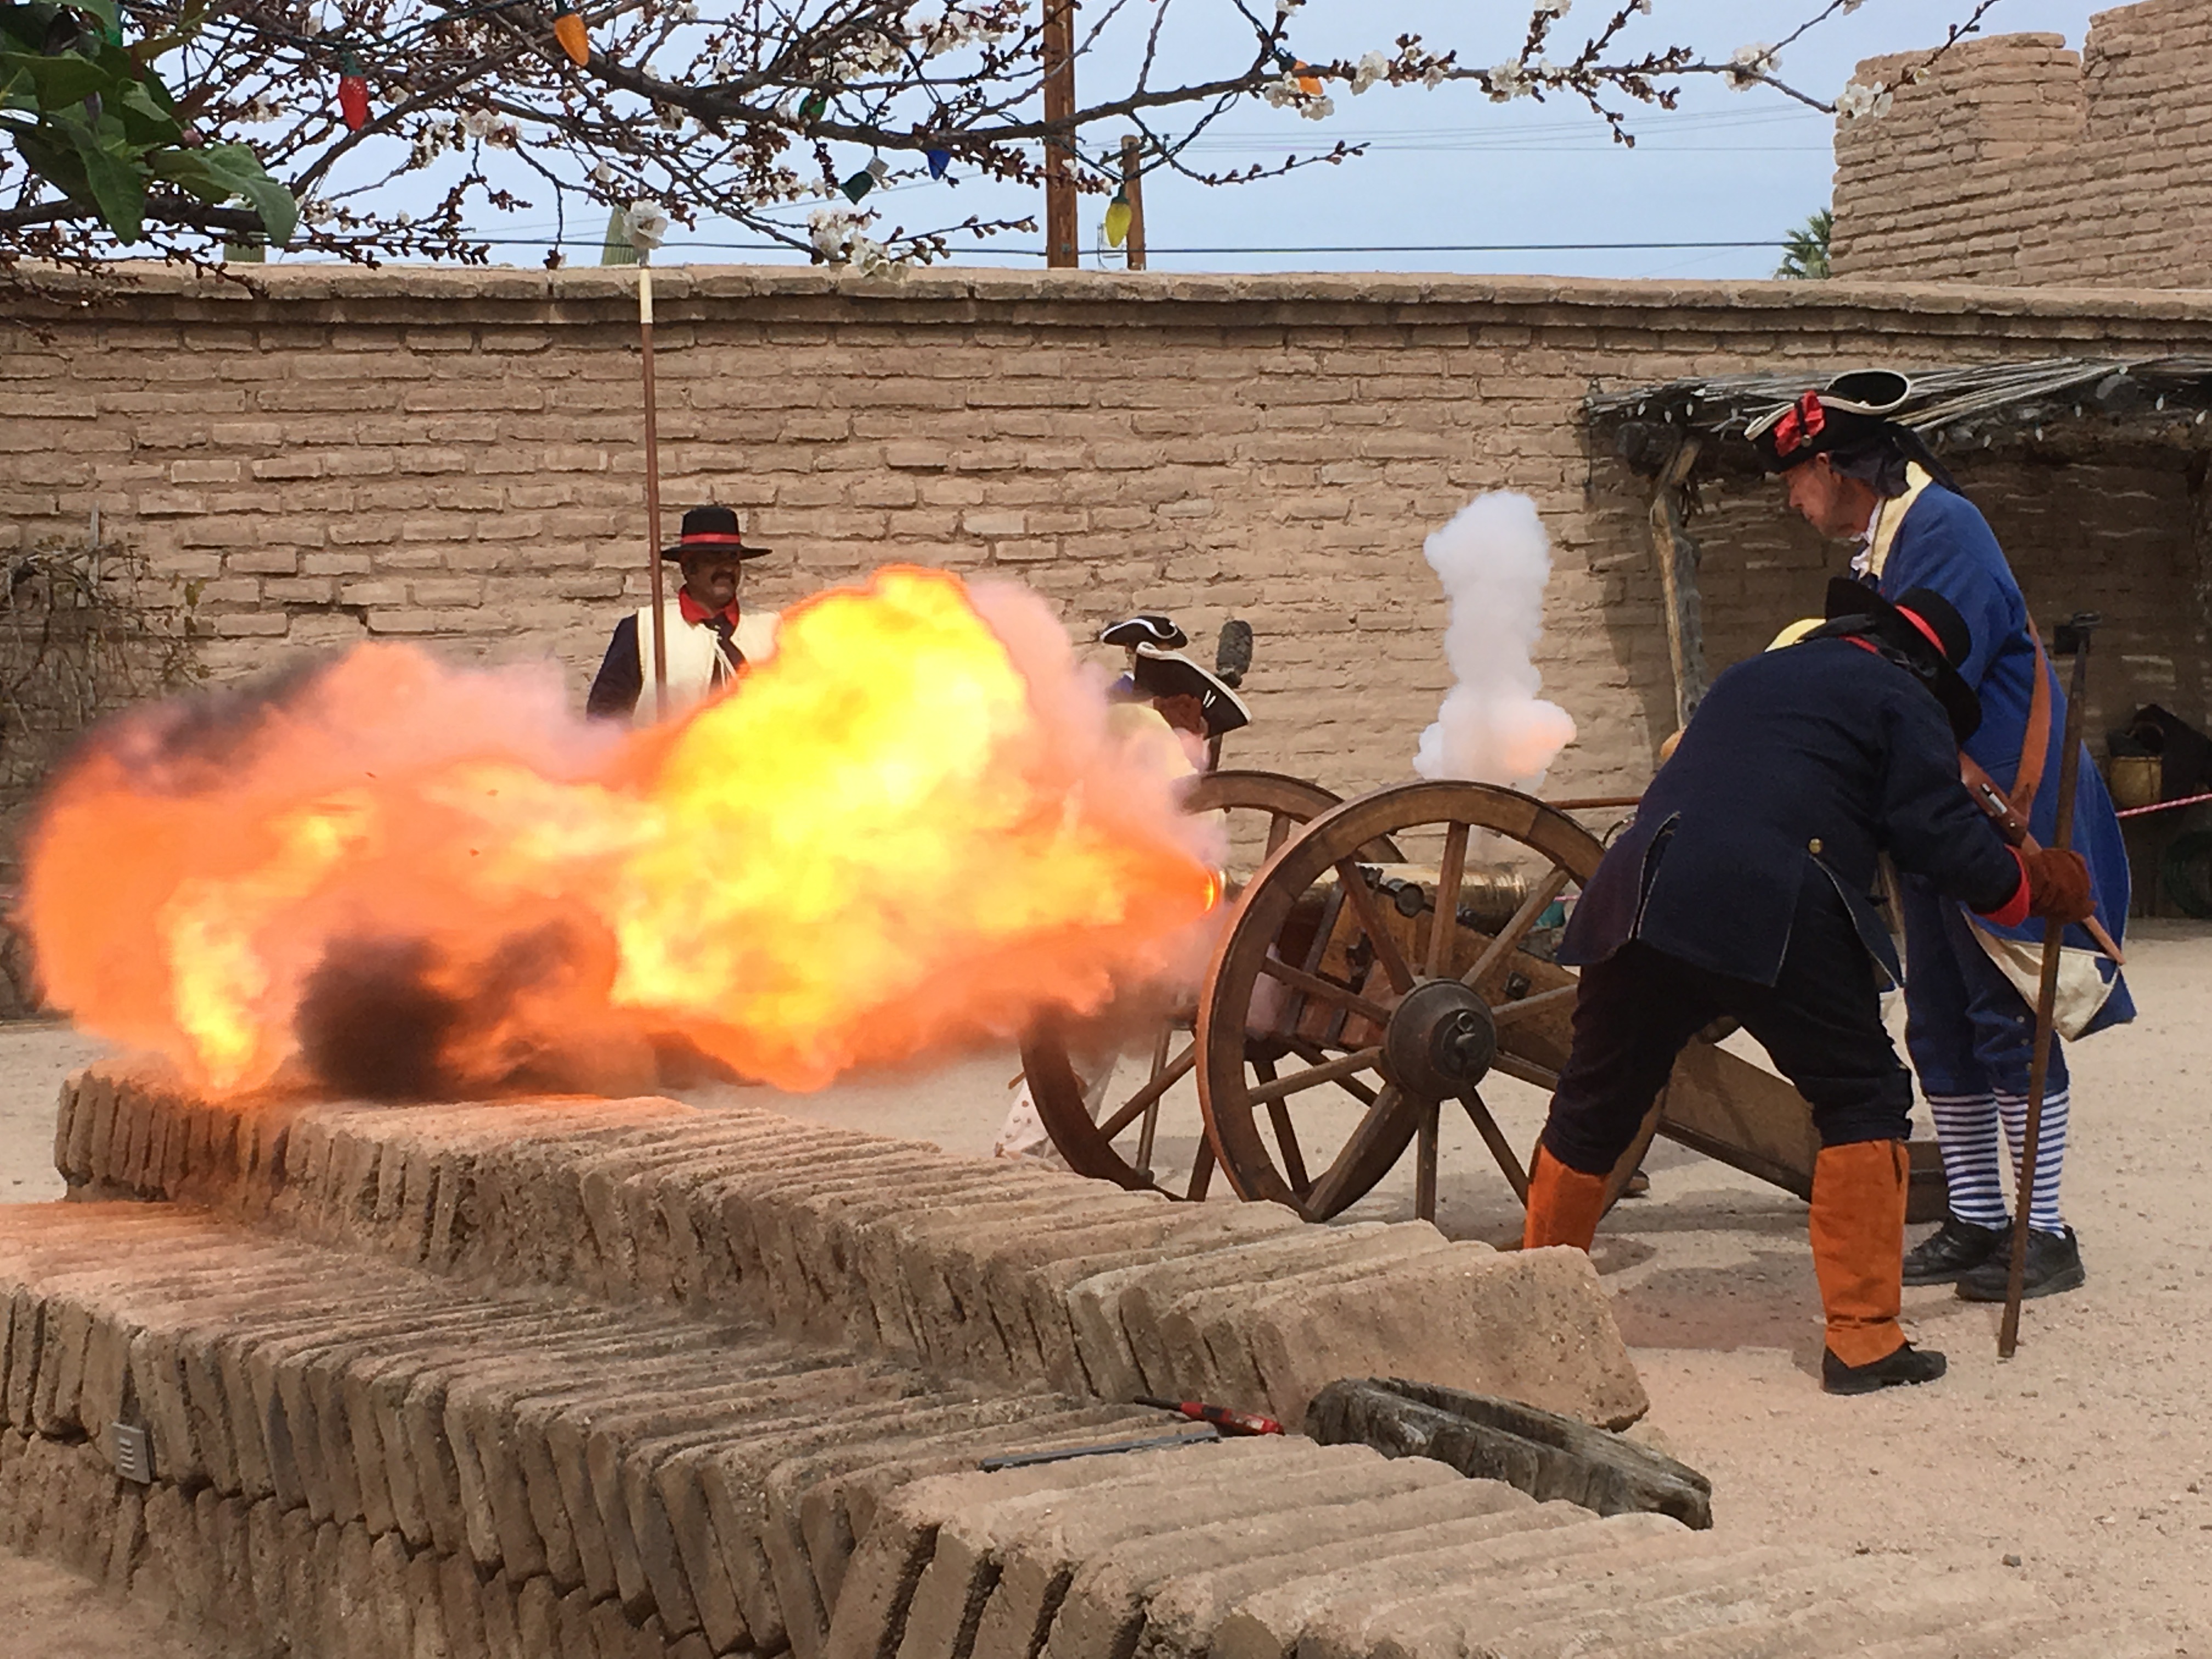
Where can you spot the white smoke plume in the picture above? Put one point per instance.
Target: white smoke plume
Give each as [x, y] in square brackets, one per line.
[1493, 559]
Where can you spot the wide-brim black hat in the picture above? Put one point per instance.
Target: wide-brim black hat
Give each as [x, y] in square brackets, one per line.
[1168, 674]
[1849, 411]
[1145, 628]
[1923, 632]
[713, 529]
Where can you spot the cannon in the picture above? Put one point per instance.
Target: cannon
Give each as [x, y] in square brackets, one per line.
[1381, 959]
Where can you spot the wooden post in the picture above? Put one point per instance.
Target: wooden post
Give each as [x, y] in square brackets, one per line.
[653, 494]
[1132, 188]
[1059, 47]
[1677, 554]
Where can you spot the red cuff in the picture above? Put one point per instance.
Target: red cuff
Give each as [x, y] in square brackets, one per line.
[2014, 911]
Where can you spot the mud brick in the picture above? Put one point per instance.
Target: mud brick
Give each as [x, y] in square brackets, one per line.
[1268, 1626]
[1103, 1610]
[502, 1626]
[94, 1094]
[835, 1509]
[575, 1632]
[1204, 1333]
[537, 1618]
[625, 1207]
[1035, 1567]
[1120, 1360]
[536, 1224]
[1534, 1326]
[65, 1118]
[1193, 1597]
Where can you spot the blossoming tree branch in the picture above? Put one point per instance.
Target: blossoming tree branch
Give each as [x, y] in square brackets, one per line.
[386, 129]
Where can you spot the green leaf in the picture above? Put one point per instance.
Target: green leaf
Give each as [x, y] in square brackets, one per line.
[57, 81]
[116, 188]
[188, 172]
[105, 13]
[240, 168]
[144, 122]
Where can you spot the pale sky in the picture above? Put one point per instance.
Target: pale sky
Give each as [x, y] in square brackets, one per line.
[1451, 169]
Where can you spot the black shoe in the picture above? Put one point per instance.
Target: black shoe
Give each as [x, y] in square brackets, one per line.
[1908, 1365]
[2054, 1264]
[1952, 1251]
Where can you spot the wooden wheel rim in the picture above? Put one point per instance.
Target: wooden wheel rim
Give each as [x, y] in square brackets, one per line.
[1054, 1085]
[1261, 915]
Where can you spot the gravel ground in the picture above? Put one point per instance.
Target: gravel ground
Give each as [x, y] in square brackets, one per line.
[2087, 1457]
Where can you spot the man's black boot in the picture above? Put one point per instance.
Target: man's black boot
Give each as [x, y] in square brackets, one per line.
[2054, 1264]
[1953, 1250]
[1908, 1365]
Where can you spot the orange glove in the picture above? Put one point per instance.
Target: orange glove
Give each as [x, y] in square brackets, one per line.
[2057, 885]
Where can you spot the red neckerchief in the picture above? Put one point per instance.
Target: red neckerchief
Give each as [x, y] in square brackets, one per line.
[696, 613]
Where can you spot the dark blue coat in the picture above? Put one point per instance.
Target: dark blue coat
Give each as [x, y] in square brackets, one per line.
[1945, 544]
[1821, 755]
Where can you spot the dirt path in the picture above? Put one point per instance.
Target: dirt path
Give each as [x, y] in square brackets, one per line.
[2089, 1457]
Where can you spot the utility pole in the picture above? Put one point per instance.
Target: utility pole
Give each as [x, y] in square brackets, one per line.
[1059, 45]
[1132, 192]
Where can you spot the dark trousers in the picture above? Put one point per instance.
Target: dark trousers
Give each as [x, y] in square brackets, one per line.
[1820, 1023]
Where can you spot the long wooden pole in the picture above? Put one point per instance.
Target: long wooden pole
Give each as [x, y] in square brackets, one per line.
[2047, 1000]
[1059, 47]
[652, 495]
[1677, 579]
[1132, 190]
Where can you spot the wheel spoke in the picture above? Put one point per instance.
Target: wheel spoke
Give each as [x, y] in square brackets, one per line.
[1286, 1134]
[1314, 1076]
[1382, 1131]
[1140, 1103]
[1444, 932]
[1514, 931]
[1494, 1138]
[1326, 990]
[1150, 1126]
[1386, 952]
[1279, 831]
[1425, 1165]
[1512, 1014]
[1201, 1169]
[1351, 1085]
[1526, 1070]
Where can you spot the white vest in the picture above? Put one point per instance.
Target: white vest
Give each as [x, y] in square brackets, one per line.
[697, 662]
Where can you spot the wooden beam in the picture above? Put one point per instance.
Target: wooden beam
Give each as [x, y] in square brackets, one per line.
[1060, 252]
[1133, 187]
[1677, 554]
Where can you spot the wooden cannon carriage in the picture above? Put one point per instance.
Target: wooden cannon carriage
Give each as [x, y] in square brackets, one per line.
[1341, 974]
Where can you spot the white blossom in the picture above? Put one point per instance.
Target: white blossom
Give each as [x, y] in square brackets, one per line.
[645, 227]
[602, 174]
[479, 121]
[1285, 7]
[1507, 80]
[1372, 67]
[1319, 109]
[1552, 8]
[1859, 101]
[1747, 64]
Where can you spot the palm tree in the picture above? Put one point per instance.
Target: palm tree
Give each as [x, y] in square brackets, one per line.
[1805, 249]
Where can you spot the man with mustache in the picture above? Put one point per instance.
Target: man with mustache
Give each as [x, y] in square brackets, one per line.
[708, 635]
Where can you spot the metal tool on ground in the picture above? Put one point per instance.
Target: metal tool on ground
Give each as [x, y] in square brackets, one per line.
[1227, 1418]
[1204, 1436]
[2077, 630]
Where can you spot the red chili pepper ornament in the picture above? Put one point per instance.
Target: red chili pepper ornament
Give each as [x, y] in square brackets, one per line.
[353, 94]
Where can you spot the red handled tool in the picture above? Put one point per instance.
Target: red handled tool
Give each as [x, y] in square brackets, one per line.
[1221, 1418]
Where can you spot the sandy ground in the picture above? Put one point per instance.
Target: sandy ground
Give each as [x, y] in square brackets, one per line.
[2087, 1456]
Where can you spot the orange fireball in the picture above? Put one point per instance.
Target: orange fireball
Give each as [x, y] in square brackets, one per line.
[907, 829]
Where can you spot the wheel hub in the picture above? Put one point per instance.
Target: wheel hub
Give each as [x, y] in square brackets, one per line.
[1440, 1040]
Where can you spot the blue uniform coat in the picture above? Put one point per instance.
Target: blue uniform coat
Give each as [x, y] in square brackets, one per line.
[1944, 543]
[1820, 756]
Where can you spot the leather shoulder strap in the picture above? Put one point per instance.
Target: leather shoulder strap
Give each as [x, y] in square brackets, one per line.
[2035, 743]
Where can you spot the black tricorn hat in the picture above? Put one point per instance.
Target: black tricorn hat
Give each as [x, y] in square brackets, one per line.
[712, 529]
[1164, 674]
[1851, 411]
[1147, 628]
[1922, 633]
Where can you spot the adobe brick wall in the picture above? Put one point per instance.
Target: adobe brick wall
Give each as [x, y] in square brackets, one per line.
[455, 458]
[2018, 161]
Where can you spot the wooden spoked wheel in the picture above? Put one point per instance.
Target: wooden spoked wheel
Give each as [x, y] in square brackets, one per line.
[1343, 974]
[1106, 1089]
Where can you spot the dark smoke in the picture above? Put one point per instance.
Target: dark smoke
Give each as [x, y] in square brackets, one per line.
[372, 1026]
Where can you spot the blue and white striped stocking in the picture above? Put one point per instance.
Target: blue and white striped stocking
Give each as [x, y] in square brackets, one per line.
[2043, 1216]
[1973, 1166]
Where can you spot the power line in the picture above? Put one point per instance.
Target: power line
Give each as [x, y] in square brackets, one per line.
[1038, 254]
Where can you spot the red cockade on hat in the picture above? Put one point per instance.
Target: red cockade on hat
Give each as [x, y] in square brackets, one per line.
[1803, 421]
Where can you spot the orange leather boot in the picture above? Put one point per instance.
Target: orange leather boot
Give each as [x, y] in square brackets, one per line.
[1563, 1204]
[1858, 1253]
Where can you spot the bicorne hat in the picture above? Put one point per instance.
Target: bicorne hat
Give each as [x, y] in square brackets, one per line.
[712, 529]
[1148, 629]
[1167, 674]
[1851, 411]
[1922, 632]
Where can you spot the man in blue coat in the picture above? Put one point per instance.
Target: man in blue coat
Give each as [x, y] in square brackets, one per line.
[1853, 472]
[1741, 889]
